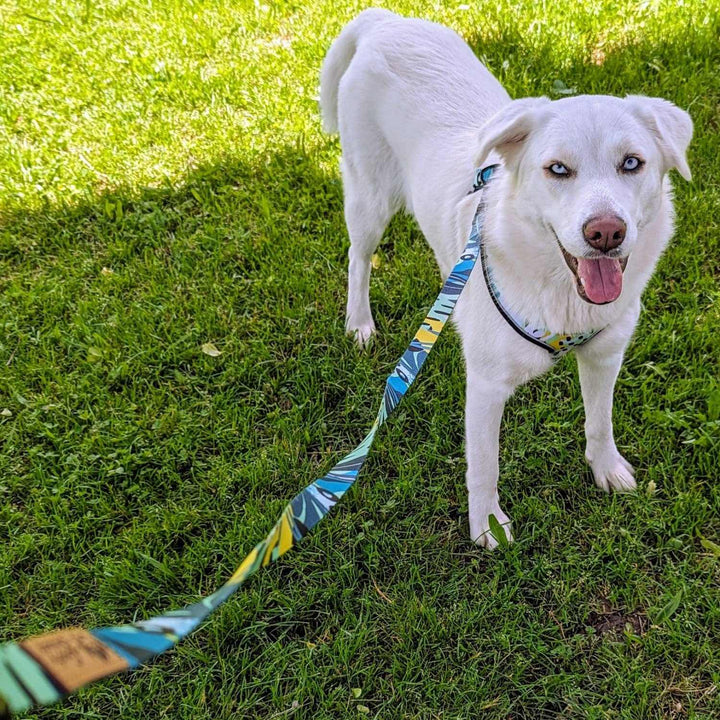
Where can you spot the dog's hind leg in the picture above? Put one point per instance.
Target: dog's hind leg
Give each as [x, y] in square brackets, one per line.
[368, 209]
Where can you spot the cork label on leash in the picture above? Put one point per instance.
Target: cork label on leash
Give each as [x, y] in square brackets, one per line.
[73, 657]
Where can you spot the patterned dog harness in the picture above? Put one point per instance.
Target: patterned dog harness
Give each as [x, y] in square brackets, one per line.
[557, 344]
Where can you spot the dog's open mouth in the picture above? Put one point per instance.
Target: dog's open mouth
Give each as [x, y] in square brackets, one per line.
[597, 280]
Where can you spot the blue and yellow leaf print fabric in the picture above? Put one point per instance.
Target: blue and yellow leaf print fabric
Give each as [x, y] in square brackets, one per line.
[41, 670]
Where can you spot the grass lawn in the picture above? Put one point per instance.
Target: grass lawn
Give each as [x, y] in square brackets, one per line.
[164, 184]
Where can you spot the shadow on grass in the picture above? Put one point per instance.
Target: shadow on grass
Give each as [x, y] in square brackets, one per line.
[288, 181]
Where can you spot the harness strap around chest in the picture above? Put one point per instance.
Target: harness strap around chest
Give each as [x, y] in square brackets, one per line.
[557, 344]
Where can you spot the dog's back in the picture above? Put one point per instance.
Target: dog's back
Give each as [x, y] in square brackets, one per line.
[429, 62]
[401, 92]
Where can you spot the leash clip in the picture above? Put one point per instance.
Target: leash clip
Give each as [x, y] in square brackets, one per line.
[482, 175]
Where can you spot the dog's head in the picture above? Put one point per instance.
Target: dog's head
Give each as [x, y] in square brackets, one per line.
[590, 169]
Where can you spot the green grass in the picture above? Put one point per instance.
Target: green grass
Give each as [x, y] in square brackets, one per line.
[164, 183]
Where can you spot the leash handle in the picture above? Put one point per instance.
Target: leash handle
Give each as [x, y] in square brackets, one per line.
[43, 669]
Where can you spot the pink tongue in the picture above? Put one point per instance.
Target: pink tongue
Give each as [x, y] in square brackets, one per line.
[602, 279]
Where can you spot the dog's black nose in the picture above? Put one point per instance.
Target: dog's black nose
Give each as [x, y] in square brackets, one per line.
[604, 232]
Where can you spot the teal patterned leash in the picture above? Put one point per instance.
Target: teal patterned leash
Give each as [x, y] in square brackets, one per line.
[42, 669]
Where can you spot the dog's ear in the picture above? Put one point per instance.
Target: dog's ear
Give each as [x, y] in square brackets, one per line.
[509, 128]
[671, 127]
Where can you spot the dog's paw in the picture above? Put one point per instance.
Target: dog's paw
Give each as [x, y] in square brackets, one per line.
[481, 532]
[613, 473]
[361, 333]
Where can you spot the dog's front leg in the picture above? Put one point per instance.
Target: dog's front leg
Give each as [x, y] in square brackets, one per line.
[485, 402]
[598, 365]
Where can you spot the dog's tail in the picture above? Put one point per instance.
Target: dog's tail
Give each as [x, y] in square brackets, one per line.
[338, 60]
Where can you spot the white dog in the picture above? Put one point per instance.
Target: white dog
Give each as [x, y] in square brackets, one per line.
[577, 216]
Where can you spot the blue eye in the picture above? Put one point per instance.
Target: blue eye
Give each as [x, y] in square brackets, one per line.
[631, 164]
[559, 169]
